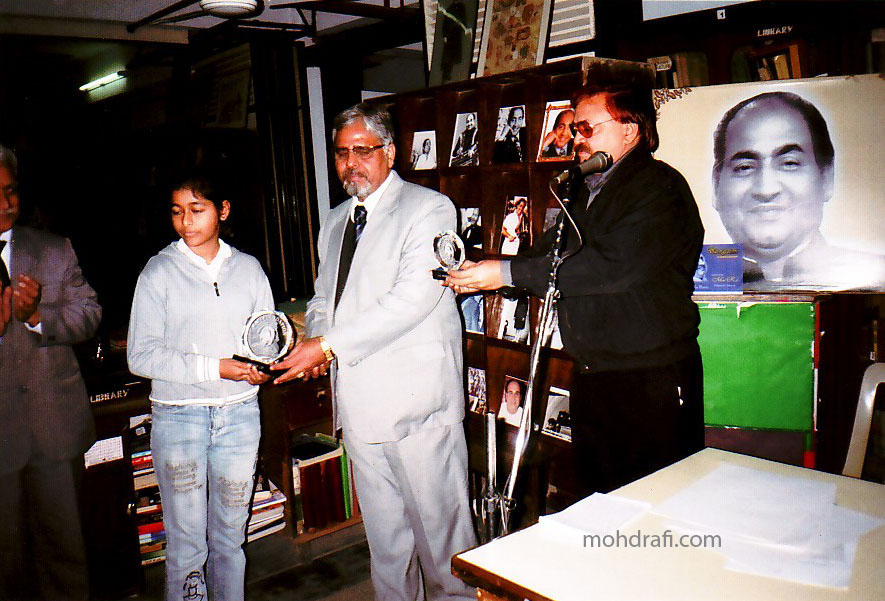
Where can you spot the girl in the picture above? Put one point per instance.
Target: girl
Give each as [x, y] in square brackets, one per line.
[191, 302]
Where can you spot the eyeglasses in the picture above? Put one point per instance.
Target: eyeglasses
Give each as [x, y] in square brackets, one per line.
[585, 128]
[361, 152]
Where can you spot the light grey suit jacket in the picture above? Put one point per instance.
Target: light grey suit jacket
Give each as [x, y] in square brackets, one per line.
[44, 409]
[396, 330]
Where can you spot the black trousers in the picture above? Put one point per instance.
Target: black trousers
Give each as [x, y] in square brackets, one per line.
[629, 423]
[42, 553]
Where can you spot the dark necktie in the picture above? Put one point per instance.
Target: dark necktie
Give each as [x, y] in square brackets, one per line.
[352, 233]
[4, 273]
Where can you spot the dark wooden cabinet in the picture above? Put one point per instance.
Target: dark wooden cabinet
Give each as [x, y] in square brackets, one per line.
[286, 412]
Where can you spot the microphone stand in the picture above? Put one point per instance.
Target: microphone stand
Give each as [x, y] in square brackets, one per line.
[504, 502]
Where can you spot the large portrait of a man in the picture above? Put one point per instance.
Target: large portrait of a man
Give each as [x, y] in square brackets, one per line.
[791, 171]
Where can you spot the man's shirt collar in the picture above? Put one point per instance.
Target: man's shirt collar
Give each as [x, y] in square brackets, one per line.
[372, 199]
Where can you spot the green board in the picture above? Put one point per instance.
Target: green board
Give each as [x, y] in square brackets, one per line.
[758, 367]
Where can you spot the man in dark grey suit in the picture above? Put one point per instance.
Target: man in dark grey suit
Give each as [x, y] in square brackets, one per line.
[45, 419]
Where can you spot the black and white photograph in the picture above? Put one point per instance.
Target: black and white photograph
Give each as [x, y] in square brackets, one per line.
[470, 228]
[512, 400]
[472, 312]
[515, 230]
[557, 139]
[476, 389]
[465, 142]
[789, 171]
[513, 319]
[510, 135]
[423, 150]
[557, 422]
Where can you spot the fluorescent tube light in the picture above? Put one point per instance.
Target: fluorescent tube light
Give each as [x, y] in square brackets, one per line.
[102, 81]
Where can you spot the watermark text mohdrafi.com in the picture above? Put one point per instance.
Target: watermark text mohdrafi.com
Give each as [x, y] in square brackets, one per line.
[639, 540]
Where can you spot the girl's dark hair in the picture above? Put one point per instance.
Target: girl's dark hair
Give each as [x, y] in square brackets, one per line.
[207, 183]
[214, 186]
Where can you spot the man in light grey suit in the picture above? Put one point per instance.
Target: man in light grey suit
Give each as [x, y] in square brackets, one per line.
[392, 336]
[45, 419]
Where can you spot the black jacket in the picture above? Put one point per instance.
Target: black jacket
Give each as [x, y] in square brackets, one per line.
[626, 295]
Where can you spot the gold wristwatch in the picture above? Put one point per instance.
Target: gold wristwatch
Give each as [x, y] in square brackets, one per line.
[326, 348]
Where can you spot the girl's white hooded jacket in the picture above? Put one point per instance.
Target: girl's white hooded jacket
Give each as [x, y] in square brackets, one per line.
[184, 321]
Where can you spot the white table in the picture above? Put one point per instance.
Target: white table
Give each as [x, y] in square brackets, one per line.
[533, 565]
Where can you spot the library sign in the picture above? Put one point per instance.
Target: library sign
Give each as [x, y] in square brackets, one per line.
[772, 31]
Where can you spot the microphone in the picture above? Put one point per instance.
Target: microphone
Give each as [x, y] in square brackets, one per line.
[597, 163]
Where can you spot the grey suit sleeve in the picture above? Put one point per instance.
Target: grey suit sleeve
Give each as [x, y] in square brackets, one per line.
[412, 297]
[316, 319]
[72, 314]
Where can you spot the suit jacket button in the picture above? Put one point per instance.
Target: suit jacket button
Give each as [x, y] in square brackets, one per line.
[23, 389]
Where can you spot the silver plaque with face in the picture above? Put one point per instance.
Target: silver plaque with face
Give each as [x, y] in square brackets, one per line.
[267, 337]
[450, 252]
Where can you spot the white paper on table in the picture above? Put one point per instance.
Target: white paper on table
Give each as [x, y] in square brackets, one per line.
[831, 568]
[753, 505]
[598, 514]
[808, 539]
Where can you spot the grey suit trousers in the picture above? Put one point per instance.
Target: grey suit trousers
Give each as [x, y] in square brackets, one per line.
[413, 496]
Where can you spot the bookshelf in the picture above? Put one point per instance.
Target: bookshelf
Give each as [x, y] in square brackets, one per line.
[826, 38]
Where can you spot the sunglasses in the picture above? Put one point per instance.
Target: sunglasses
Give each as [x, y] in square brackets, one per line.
[362, 152]
[585, 128]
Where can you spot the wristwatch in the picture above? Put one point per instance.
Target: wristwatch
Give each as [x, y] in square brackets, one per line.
[326, 348]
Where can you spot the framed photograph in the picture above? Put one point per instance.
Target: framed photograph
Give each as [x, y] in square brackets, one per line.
[510, 135]
[557, 422]
[423, 154]
[452, 54]
[512, 400]
[465, 142]
[476, 390]
[514, 35]
[470, 230]
[557, 140]
[788, 170]
[472, 310]
[515, 230]
[513, 319]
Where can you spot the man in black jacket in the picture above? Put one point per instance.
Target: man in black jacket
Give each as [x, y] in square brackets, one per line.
[625, 312]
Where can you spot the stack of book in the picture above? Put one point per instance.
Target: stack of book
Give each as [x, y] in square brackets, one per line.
[323, 480]
[148, 508]
[268, 508]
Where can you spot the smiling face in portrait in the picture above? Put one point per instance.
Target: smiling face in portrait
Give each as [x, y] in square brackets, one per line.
[561, 131]
[771, 190]
[470, 121]
[9, 202]
[608, 134]
[513, 395]
[197, 221]
[362, 175]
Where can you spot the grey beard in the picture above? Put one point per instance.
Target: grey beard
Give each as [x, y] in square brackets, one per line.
[361, 191]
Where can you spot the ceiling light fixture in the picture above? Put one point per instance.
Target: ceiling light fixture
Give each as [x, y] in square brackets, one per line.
[229, 8]
[103, 81]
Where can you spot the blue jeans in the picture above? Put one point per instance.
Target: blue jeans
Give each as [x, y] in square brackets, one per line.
[194, 446]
